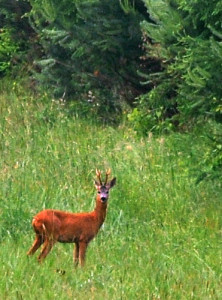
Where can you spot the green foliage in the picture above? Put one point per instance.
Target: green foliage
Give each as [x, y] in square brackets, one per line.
[18, 45]
[91, 51]
[12, 15]
[202, 14]
[89, 46]
[154, 112]
[211, 165]
[7, 50]
[161, 237]
[185, 37]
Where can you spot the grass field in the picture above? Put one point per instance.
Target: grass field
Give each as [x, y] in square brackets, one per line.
[162, 235]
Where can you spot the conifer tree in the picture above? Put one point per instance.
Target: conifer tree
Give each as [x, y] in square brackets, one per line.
[185, 37]
[89, 45]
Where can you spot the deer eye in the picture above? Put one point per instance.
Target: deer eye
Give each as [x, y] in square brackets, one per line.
[99, 192]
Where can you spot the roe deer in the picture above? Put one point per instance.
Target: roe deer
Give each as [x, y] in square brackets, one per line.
[53, 226]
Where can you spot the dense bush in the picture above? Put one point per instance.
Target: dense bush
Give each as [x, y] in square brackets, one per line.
[210, 168]
[17, 38]
[185, 37]
[90, 46]
[7, 50]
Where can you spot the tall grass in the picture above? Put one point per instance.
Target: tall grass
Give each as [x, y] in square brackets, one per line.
[162, 235]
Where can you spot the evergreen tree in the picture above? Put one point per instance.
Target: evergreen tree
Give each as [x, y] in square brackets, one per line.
[185, 37]
[90, 46]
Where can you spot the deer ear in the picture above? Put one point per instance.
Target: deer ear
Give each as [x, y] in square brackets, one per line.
[112, 182]
[97, 184]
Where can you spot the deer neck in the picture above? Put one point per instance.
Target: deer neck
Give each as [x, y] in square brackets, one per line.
[100, 211]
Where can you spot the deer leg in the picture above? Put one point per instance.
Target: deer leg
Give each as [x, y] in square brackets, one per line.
[76, 254]
[82, 252]
[47, 246]
[37, 243]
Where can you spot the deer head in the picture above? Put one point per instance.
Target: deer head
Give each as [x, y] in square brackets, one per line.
[103, 188]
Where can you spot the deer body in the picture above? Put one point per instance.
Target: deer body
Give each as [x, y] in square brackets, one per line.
[53, 226]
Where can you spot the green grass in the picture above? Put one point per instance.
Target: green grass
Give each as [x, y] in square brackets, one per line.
[162, 235]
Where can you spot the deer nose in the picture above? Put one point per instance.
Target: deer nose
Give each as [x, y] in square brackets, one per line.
[103, 199]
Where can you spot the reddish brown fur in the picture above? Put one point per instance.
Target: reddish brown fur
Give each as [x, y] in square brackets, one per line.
[53, 226]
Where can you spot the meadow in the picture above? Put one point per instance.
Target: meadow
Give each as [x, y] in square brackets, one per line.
[162, 235]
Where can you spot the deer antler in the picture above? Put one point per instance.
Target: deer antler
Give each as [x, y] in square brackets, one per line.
[98, 174]
[107, 176]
